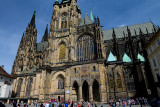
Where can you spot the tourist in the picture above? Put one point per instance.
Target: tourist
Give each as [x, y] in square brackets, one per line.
[56, 104]
[154, 103]
[129, 102]
[79, 105]
[65, 105]
[47, 104]
[89, 104]
[41, 105]
[95, 104]
[75, 104]
[119, 100]
[123, 103]
[146, 101]
[1, 104]
[72, 104]
[82, 104]
[141, 101]
[113, 103]
[14, 104]
[101, 104]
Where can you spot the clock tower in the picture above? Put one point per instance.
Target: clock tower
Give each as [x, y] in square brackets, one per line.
[65, 19]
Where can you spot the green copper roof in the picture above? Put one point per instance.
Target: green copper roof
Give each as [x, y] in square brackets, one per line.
[91, 16]
[140, 57]
[126, 58]
[56, 2]
[86, 20]
[111, 57]
[119, 31]
[41, 46]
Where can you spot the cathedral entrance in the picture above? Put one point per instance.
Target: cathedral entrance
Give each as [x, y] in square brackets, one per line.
[85, 91]
[96, 94]
[75, 92]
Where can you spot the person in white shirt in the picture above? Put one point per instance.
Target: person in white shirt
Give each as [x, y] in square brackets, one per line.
[47, 104]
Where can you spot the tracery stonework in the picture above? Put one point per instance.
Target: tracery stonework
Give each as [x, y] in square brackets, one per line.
[72, 60]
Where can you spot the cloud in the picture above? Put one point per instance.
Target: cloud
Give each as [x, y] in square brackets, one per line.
[122, 25]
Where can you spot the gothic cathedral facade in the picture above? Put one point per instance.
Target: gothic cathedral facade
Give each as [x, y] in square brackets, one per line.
[77, 61]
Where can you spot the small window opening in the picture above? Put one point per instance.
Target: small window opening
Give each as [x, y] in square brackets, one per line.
[94, 68]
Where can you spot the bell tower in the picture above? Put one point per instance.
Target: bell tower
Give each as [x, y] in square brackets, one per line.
[65, 20]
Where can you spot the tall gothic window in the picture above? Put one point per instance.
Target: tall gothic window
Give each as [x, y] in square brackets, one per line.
[19, 87]
[129, 79]
[62, 51]
[119, 83]
[29, 87]
[85, 48]
[64, 21]
[60, 82]
[111, 81]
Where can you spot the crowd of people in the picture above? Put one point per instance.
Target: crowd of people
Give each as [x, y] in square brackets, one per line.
[138, 101]
[68, 104]
[142, 102]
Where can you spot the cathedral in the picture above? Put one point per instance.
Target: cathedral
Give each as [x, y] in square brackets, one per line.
[78, 61]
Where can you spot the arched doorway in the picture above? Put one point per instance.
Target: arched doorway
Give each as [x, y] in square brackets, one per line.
[96, 94]
[85, 91]
[75, 92]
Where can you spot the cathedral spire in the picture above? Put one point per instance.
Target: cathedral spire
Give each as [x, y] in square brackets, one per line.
[45, 35]
[140, 31]
[129, 32]
[135, 32]
[147, 30]
[115, 46]
[91, 16]
[32, 22]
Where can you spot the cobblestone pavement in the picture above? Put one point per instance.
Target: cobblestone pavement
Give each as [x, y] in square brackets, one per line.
[105, 105]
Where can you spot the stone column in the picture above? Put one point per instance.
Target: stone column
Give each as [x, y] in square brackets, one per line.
[70, 94]
[90, 93]
[80, 93]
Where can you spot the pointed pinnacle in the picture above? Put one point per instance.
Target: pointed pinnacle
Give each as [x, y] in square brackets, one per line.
[33, 19]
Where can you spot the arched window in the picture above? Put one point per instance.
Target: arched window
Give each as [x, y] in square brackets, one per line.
[19, 87]
[61, 84]
[60, 79]
[119, 83]
[111, 81]
[85, 48]
[62, 51]
[29, 87]
[64, 21]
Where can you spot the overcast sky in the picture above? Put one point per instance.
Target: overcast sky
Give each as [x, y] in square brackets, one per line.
[16, 14]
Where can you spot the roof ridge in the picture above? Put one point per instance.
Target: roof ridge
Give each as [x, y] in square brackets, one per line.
[130, 25]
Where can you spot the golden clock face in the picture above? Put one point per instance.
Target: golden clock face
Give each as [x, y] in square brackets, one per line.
[64, 18]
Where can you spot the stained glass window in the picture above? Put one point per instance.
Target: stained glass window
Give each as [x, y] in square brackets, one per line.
[19, 87]
[61, 84]
[111, 81]
[29, 87]
[85, 48]
[119, 83]
[62, 51]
